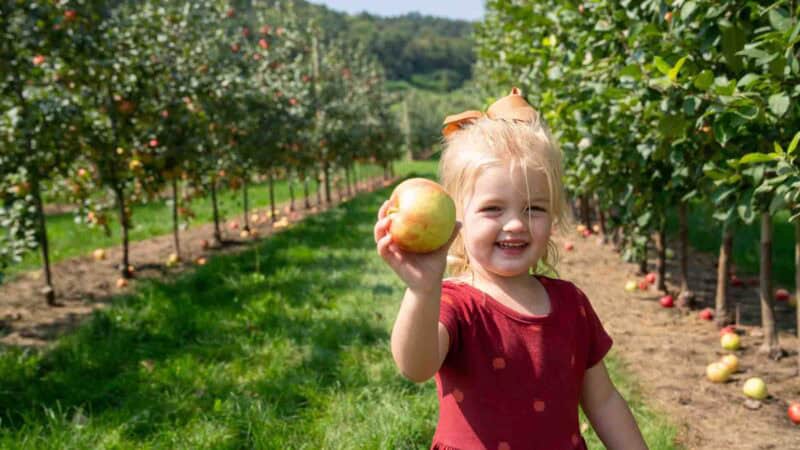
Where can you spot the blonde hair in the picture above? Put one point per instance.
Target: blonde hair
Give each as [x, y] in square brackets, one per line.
[490, 143]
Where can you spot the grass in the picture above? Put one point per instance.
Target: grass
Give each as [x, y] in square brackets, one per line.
[705, 234]
[68, 239]
[284, 345]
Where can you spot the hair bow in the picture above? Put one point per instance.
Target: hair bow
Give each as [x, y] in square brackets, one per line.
[511, 107]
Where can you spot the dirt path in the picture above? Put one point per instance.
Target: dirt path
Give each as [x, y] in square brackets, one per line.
[83, 284]
[668, 351]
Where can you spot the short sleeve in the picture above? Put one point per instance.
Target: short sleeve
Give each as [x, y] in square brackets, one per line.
[599, 341]
[449, 312]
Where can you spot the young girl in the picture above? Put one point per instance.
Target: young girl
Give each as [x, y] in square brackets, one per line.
[513, 353]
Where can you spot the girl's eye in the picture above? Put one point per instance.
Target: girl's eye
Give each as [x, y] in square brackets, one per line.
[536, 209]
[491, 208]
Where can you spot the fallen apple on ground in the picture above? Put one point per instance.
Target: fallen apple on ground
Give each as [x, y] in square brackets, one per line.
[586, 233]
[204, 244]
[200, 261]
[651, 277]
[782, 295]
[731, 362]
[99, 254]
[794, 412]
[667, 301]
[727, 329]
[717, 372]
[630, 286]
[173, 260]
[730, 341]
[706, 314]
[422, 215]
[122, 282]
[569, 246]
[755, 388]
[643, 285]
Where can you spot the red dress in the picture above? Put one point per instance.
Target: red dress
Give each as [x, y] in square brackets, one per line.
[512, 381]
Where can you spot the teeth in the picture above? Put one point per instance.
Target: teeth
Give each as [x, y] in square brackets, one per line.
[507, 245]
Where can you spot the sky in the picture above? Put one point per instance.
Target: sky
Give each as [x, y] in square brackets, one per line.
[452, 9]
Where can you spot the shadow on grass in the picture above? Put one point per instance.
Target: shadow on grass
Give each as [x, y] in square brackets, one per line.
[122, 361]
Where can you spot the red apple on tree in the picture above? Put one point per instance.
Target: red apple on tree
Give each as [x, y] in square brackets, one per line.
[38, 60]
[422, 216]
[782, 295]
[70, 15]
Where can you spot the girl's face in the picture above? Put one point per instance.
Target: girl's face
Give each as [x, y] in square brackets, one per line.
[506, 224]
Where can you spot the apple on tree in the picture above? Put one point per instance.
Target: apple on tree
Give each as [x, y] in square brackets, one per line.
[422, 215]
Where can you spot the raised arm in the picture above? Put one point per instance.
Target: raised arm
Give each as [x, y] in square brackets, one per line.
[419, 341]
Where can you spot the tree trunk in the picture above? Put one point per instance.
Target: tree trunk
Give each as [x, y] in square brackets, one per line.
[661, 257]
[723, 314]
[585, 213]
[327, 179]
[123, 220]
[347, 180]
[41, 237]
[246, 204]
[290, 180]
[306, 201]
[355, 177]
[643, 259]
[686, 297]
[318, 179]
[175, 231]
[797, 283]
[215, 209]
[770, 345]
[601, 217]
[271, 176]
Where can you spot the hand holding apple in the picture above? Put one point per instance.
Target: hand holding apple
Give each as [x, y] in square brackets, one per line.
[421, 272]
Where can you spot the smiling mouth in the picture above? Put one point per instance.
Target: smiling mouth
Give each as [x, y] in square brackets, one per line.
[510, 245]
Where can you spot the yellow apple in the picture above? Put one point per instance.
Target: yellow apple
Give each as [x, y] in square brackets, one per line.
[731, 362]
[718, 372]
[99, 254]
[755, 388]
[172, 260]
[122, 282]
[422, 215]
[730, 341]
[631, 286]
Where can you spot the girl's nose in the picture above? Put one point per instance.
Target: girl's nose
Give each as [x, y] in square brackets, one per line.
[515, 223]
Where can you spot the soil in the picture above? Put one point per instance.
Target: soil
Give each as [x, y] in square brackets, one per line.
[666, 350]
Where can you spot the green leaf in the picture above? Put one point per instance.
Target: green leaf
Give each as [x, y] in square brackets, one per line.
[662, 65]
[703, 80]
[631, 71]
[779, 19]
[747, 80]
[675, 70]
[688, 9]
[756, 158]
[779, 103]
[793, 144]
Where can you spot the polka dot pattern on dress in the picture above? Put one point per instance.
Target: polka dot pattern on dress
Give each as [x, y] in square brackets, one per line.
[503, 446]
[458, 395]
[538, 405]
[499, 363]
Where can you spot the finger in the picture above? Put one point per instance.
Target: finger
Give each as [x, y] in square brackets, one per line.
[381, 228]
[382, 210]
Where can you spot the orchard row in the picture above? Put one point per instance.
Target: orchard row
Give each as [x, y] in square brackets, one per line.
[111, 104]
[662, 103]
